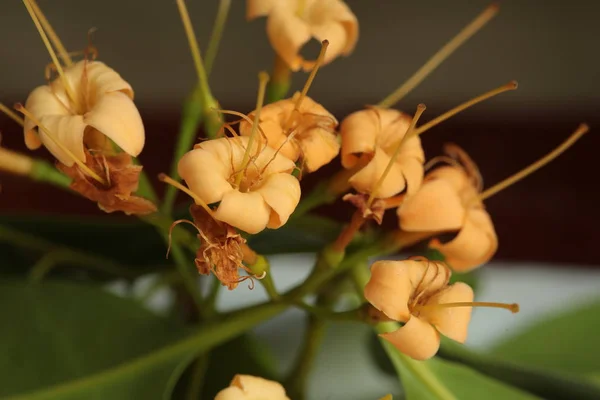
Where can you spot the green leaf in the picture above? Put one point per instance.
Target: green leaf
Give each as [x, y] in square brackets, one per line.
[57, 332]
[565, 343]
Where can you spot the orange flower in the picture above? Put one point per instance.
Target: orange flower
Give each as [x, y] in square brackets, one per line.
[448, 202]
[263, 195]
[247, 387]
[100, 107]
[369, 139]
[292, 23]
[414, 292]
[307, 132]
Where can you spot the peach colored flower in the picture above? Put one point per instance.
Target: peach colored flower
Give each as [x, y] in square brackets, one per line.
[369, 139]
[267, 193]
[308, 132]
[292, 23]
[413, 292]
[448, 202]
[247, 387]
[102, 111]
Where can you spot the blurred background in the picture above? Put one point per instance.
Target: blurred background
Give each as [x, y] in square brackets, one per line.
[547, 45]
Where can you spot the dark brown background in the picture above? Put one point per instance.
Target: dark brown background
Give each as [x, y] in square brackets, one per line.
[549, 46]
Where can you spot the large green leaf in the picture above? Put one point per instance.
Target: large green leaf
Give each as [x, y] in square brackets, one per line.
[57, 332]
[565, 343]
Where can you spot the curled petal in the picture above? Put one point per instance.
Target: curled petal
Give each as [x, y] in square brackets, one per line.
[475, 244]
[365, 179]
[68, 130]
[287, 33]
[42, 102]
[417, 339]
[247, 387]
[333, 20]
[282, 193]
[104, 80]
[435, 207]
[452, 322]
[207, 172]
[319, 148]
[259, 8]
[390, 288]
[115, 115]
[246, 211]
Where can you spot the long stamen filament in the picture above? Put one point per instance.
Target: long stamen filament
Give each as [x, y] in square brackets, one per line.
[167, 179]
[194, 47]
[479, 22]
[216, 34]
[53, 56]
[12, 115]
[308, 83]
[263, 78]
[512, 85]
[410, 132]
[61, 146]
[579, 132]
[62, 51]
[514, 307]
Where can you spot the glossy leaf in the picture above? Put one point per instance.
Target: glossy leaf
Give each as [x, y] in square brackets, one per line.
[565, 343]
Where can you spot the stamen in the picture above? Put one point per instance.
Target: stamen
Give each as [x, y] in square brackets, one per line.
[243, 116]
[479, 22]
[512, 85]
[61, 146]
[514, 307]
[193, 43]
[410, 132]
[62, 51]
[59, 69]
[263, 78]
[579, 132]
[311, 77]
[167, 179]
[12, 115]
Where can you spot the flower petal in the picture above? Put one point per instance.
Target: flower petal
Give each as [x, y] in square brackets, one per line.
[68, 130]
[246, 211]
[435, 207]
[287, 34]
[475, 244]
[247, 387]
[365, 179]
[452, 322]
[390, 288]
[115, 115]
[282, 193]
[417, 339]
[319, 147]
[260, 8]
[206, 172]
[103, 80]
[42, 102]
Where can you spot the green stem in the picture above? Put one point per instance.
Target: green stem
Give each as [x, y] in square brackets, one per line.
[206, 338]
[298, 378]
[355, 315]
[317, 197]
[211, 298]
[196, 384]
[546, 384]
[280, 81]
[216, 34]
[43, 171]
[418, 369]
[58, 254]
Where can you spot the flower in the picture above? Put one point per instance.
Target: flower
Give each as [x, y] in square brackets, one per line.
[292, 23]
[369, 139]
[307, 132]
[100, 107]
[248, 387]
[448, 202]
[414, 292]
[262, 195]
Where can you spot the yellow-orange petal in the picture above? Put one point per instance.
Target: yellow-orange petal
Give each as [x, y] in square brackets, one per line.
[390, 288]
[417, 339]
[247, 387]
[246, 211]
[319, 147]
[42, 102]
[475, 244]
[436, 206]
[105, 80]
[207, 172]
[259, 8]
[67, 130]
[282, 193]
[115, 115]
[366, 178]
[287, 34]
[452, 322]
